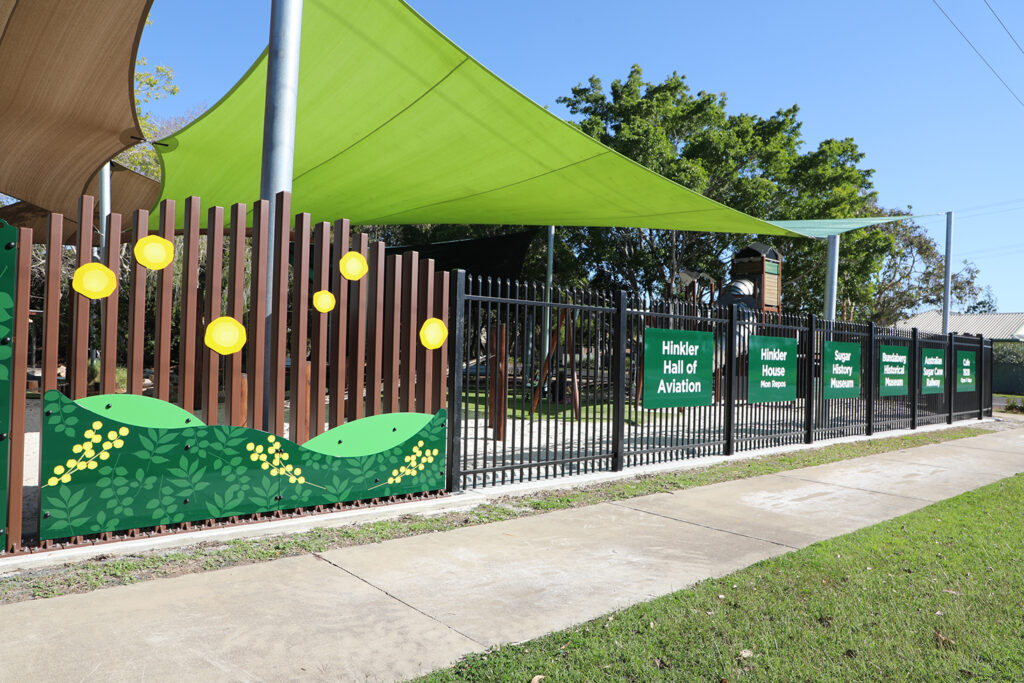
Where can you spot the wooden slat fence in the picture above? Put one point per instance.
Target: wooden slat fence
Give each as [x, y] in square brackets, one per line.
[362, 358]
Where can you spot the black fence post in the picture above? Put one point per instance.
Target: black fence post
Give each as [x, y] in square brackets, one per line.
[872, 388]
[979, 376]
[729, 380]
[809, 382]
[619, 372]
[457, 331]
[915, 377]
[950, 378]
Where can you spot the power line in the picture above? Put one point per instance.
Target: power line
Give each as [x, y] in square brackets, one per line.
[1004, 26]
[980, 56]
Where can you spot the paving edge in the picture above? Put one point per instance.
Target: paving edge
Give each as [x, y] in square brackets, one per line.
[459, 502]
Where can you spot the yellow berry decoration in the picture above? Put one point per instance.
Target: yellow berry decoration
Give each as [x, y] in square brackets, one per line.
[123, 431]
[94, 281]
[433, 334]
[154, 252]
[323, 301]
[353, 265]
[225, 335]
[52, 481]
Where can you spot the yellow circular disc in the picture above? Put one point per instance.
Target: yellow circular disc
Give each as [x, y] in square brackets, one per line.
[94, 280]
[225, 335]
[353, 265]
[323, 301]
[154, 252]
[433, 333]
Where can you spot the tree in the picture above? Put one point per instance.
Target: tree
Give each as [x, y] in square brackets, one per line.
[747, 162]
[758, 166]
[151, 84]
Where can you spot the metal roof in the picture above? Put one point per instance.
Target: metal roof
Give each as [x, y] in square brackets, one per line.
[1003, 326]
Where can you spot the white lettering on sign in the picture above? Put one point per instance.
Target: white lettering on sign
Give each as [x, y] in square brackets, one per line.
[841, 383]
[894, 358]
[679, 387]
[774, 354]
[843, 357]
[671, 348]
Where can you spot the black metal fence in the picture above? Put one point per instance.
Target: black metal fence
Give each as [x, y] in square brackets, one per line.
[542, 388]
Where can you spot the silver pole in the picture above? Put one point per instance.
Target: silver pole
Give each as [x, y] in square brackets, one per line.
[279, 142]
[831, 277]
[948, 279]
[104, 207]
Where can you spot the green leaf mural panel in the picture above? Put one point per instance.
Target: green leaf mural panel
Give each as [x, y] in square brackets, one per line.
[102, 471]
[8, 281]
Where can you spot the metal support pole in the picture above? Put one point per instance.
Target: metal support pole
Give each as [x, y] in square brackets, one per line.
[948, 277]
[729, 400]
[104, 198]
[831, 277]
[619, 386]
[456, 364]
[279, 143]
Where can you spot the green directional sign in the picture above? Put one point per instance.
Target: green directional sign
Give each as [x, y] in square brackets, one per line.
[893, 371]
[933, 371]
[841, 370]
[966, 371]
[772, 374]
[678, 368]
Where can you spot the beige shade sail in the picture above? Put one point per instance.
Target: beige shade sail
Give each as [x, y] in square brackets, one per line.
[67, 84]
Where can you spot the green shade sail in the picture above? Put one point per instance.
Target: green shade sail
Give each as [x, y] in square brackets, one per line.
[398, 125]
[826, 227]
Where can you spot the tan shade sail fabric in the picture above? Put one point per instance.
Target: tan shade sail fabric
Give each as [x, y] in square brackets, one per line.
[128, 191]
[66, 94]
[398, 125]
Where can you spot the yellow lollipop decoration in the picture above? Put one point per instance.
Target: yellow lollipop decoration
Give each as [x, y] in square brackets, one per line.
[323, 301]
[94, 280]
[154, 252]
[433, 333]
[225, 335]
[353, 265]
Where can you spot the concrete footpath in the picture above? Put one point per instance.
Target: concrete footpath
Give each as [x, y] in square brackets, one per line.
[405, 607]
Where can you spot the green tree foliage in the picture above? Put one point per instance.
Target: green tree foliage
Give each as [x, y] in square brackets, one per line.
[759, 166]
[151, 84]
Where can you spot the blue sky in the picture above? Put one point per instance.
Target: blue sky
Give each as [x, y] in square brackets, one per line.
[935, 124]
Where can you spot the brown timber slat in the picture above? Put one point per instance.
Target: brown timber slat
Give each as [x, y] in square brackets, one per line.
[19, 365]
[300, 315]
[234, 402]
[210, 389]
[165, 282]
[442, 282]
[79, 358]
[338, 326]
[189, 307]
[279, 314]
[357, 339]
[375, 341]
[256, 334]
[392, 331]
[410, 313]
[51, 299]
[137, 307]
[108, 307]
[424, 356]
[321, 282]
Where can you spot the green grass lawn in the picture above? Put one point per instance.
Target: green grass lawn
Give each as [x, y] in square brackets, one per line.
[934, 595]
